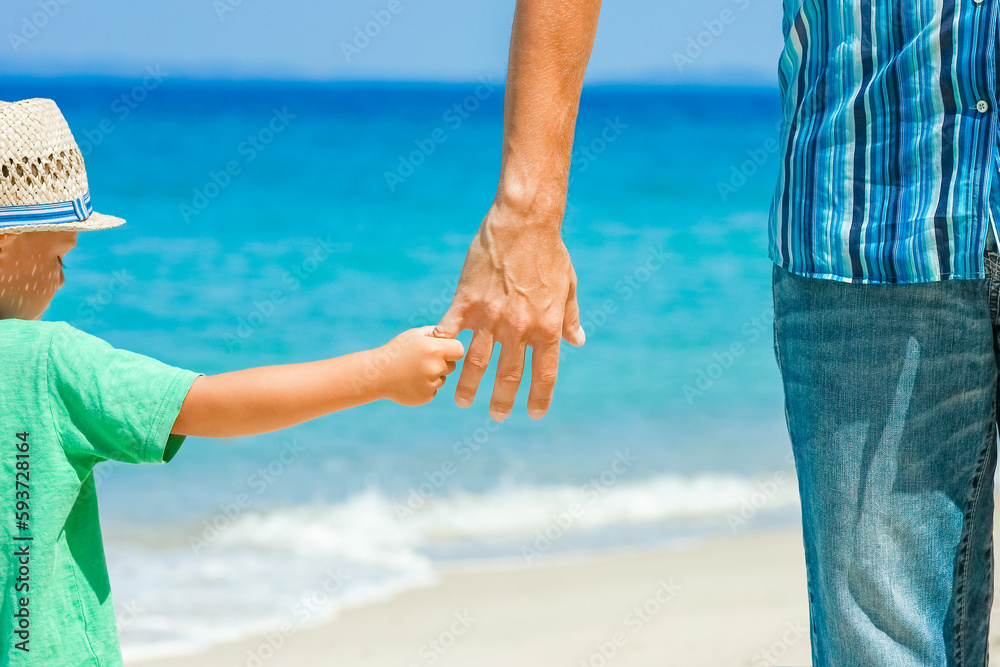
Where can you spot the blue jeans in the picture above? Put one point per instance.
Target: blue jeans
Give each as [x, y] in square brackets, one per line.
[891, 407]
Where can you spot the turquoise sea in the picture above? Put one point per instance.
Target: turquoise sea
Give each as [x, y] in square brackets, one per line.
[274, 223]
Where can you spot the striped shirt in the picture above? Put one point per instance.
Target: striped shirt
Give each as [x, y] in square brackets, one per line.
[889, 169]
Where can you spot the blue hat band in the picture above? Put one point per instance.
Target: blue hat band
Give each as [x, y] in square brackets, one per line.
[74, 210]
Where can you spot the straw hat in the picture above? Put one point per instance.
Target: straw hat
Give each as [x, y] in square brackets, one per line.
[43, 182]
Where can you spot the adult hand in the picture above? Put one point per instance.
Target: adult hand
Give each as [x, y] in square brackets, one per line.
[517, 288]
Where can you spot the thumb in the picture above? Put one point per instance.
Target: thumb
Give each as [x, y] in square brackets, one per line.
[449, 349]
[452, 350]
[449, 326]
[572, 329]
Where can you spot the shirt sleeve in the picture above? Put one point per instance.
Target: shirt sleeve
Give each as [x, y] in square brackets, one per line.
[113, 404]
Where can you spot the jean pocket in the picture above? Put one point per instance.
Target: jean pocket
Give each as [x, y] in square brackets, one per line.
[990, 253]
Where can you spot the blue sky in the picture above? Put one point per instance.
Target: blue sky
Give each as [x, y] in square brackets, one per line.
[430, 40]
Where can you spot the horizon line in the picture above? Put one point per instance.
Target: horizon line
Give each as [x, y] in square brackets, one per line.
[733, 81]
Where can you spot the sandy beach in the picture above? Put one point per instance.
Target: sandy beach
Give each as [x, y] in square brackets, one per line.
[739, 600]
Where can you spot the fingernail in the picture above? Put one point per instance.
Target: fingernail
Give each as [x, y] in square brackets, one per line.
[536, 413]
[581, 335]
[463, 402]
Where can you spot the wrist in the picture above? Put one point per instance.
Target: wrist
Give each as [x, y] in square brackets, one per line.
[374, 368]
[513, 218]
[530, 202]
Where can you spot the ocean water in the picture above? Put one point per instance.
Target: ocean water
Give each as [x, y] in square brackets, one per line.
[274, 223]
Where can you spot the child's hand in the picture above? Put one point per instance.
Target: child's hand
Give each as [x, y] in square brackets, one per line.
[413, 365]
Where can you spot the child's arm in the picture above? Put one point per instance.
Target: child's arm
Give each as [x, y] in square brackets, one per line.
[409, 370]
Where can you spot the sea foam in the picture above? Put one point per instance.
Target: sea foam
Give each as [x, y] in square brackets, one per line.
[303, 564]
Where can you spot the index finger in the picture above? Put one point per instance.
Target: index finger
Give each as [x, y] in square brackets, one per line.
[544, 370]
[450, 325]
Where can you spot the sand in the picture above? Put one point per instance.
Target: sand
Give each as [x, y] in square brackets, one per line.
[740, 600]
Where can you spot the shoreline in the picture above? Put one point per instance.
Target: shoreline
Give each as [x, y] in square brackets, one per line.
[738, 599]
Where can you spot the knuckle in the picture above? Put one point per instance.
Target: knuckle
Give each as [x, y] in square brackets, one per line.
[493, 311]
[512, 376]
[477, 362]
[552, 326]
[550, 323]
[519, 323]
[546, 376]
[550, 333]
[463, 300]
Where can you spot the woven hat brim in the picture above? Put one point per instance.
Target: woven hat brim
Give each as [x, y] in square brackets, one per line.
[95, 221]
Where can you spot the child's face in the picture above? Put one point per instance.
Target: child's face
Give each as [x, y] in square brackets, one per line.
[31, 271]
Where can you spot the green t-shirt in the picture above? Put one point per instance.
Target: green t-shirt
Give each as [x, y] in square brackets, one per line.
[68, 401]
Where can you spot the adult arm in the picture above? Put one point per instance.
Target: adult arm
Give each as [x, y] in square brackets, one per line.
[518, 286]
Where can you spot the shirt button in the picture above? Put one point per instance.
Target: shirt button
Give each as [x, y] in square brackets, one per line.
[978, 2]
[982, 106]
